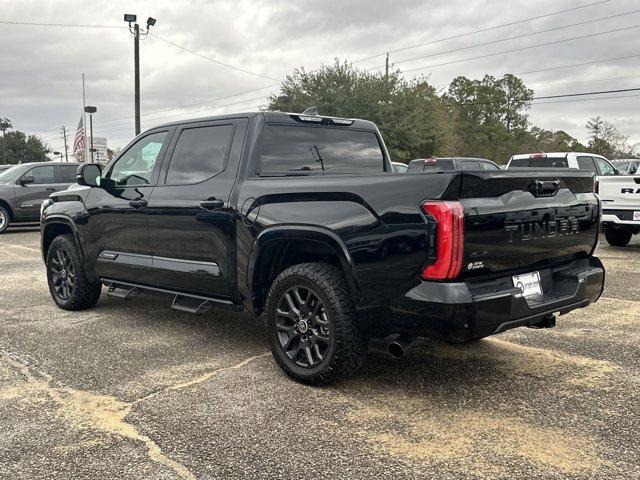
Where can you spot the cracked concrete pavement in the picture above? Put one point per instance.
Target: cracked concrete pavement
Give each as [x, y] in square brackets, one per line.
[135, 390]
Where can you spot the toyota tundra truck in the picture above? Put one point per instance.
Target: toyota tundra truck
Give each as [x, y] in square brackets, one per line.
[620, 196]
[300, 219]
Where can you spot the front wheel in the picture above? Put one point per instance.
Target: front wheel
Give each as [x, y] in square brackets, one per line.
[618, 237]
[68, 284]
[5, 219]
[312, 327]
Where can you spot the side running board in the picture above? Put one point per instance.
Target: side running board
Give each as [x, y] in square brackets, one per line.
[182, 302]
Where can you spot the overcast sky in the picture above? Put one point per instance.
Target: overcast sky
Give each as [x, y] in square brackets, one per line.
[40, 79]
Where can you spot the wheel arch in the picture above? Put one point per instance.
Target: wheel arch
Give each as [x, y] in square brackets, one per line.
[278, 248]
[7, 206]
[55, 226]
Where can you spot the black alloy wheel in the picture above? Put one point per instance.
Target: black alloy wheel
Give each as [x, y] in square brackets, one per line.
[62, 275]
[302, 323]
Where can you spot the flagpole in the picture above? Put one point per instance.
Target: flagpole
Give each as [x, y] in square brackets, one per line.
[84, 120]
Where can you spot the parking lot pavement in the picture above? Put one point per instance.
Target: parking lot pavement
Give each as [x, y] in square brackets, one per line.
[135, 390]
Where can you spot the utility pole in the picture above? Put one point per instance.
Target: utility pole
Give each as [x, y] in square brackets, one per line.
[136, 68]
[66, 150]
[386, 66]
[135, 31]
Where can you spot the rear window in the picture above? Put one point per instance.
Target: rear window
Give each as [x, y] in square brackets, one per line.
[67, 173]
[432, 165]
[293, 149]
[541, 162]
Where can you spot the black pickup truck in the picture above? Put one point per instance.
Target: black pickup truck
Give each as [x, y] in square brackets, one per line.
[299, 218]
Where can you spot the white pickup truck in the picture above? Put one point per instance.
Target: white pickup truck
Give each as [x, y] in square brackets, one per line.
[620, 196]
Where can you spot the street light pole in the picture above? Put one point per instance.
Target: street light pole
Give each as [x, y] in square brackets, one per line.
[136, 32]
[91, 110]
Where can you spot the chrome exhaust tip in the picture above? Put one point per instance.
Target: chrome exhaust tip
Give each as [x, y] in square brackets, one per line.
[399, 345]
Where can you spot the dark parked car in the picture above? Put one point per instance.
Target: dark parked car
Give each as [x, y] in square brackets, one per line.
[299, 218]
[448, 164]
[24, 187]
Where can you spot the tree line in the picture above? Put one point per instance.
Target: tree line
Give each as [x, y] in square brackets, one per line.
[473, 117]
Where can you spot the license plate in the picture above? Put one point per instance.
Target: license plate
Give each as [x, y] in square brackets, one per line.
[529, 283]
[636, 215]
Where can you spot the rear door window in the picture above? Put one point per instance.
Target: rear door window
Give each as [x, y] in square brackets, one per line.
[586, 164]
[288, 149]
[200, 154]
[67, 173]
[519, 162]
[604, 167]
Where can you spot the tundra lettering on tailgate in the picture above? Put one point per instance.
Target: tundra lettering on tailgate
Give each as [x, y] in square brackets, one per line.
[526, 231]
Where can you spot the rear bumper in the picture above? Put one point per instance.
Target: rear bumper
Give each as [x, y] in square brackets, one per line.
[618, 217]
[465, 311]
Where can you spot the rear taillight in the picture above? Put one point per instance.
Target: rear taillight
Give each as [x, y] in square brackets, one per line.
[596, 186]
[449, 218]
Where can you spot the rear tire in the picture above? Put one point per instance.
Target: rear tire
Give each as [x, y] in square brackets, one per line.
[5, 219]
[68, 284]
[312, 327]
[618, 237]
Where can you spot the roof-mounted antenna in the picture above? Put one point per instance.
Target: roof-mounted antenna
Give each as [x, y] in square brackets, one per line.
[311, 111]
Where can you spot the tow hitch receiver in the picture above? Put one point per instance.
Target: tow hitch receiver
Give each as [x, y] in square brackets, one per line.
[547, 322]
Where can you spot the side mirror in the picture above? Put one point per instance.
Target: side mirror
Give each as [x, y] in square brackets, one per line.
[89, 175]
[27, 179]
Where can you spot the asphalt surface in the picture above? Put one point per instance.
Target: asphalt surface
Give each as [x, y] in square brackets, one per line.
[135, 390]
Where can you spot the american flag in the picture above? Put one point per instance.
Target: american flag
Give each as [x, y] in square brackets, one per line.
[78, 142]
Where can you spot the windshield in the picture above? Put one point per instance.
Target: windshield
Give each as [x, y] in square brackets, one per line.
[11, 173]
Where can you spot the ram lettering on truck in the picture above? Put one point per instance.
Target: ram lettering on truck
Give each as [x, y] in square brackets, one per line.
[620, 197]
[300, 219]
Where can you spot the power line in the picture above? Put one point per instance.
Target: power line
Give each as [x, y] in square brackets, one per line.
[516, 22]
[543, 85]
[492, 42]
[577, 64]
[520, 49]
[193, 52]
[180, 107]
[546, 97]
[38, 24]
[587, 99]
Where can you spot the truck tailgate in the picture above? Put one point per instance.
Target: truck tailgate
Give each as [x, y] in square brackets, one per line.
[620, 192]
[518, 221]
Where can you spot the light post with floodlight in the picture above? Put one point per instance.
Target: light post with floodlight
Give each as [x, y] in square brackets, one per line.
[135, 31]
[58, 153]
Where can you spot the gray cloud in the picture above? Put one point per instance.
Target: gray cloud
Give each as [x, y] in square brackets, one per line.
[40, 82]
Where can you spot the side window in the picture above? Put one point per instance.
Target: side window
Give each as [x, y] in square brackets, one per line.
[586, 164]
[604, 167]
[67, 173]
[489, 166]
[136, 165]
[469, 165]
[200, 153]
[41, 175]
